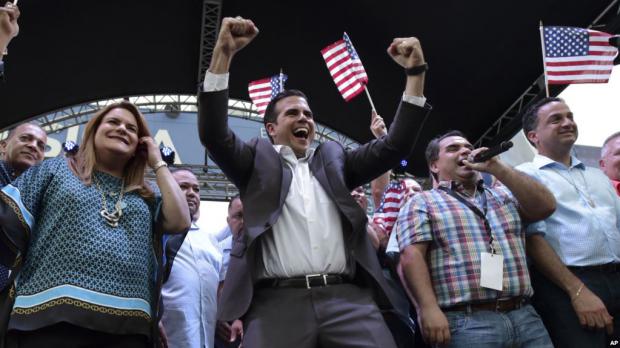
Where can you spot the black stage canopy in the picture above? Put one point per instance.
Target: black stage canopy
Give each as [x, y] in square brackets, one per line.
[482, 54]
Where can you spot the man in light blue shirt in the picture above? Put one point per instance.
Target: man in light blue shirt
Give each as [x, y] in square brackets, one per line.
[575, 251]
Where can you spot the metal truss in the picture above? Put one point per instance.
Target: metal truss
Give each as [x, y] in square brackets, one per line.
[324, 134]
[510, 116]
[509, 122]
[214, 184]
[211, 18]
[79, 114]
[170, 104]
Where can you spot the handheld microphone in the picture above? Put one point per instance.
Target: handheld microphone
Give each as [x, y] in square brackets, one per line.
[492, 152]
[615, 41]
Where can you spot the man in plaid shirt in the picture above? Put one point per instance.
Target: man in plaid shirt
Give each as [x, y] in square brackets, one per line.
[445, 234]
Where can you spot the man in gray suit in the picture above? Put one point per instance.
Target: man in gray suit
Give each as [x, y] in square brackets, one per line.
[304, 274]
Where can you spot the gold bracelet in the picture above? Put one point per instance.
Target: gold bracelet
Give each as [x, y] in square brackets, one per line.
[159, 165]
[577, 293]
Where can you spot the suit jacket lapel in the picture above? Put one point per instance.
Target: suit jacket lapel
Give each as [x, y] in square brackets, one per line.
[287, 177]
[346, 205]
[317, 168]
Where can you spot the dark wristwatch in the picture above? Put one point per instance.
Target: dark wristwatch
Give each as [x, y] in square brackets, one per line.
[416, 70]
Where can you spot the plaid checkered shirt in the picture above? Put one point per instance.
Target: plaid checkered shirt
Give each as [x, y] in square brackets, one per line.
[457, 236]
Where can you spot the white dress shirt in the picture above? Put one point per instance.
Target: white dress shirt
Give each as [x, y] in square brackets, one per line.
[190, 294]
[307, 238]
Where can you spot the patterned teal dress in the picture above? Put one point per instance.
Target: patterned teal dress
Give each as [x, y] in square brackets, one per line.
[74, 267]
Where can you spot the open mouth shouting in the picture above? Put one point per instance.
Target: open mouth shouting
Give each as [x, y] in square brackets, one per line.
[301, 133]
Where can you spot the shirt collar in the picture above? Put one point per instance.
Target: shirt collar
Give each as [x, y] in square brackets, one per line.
[458, 187]
[287, 153]
[541, 161]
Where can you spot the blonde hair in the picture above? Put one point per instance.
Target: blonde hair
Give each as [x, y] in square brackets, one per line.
[83, 163]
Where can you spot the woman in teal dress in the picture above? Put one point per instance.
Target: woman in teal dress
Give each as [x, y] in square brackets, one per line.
[78, 234]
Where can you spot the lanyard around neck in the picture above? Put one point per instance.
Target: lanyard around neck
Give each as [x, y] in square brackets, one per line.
[480, 213]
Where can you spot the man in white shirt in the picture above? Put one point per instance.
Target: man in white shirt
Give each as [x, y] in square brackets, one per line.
[190, 291]
[304, 273]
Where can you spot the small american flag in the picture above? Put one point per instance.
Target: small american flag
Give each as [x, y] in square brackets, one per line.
[395, 196]
[576, 55]
[262, 91]
[345, 67]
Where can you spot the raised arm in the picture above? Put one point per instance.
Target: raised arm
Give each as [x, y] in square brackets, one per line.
[175, 212]
[8, 25]
[378, 185]
[375, 158]
[235, 34]
[230, 153]
[407, 52]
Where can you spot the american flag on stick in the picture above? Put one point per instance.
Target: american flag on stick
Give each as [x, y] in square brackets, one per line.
[394, 198]
[576, 55]
[345, 67]
[263, 90]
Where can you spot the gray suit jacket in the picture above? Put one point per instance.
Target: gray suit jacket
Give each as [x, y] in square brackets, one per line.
[263, 180]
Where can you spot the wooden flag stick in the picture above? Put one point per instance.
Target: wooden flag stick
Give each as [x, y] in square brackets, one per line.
[372, 105]
[542, 44]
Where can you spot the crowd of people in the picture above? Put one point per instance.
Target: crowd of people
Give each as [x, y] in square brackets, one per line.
[93, 255]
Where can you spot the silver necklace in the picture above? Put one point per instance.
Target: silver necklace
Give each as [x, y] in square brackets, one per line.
[111, 218]
[583, 194]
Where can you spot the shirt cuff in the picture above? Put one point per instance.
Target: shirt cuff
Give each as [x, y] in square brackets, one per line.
[535, 228]
[215, 82]
[412, 99]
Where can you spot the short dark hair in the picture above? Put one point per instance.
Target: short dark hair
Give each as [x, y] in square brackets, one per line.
[530, 116]
[271, 115]
[432, 149]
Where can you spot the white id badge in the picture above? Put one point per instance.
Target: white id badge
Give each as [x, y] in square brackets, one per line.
[491, 271]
